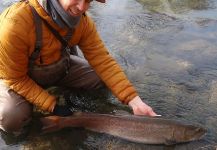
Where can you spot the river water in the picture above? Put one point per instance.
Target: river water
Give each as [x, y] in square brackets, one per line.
[168, 50]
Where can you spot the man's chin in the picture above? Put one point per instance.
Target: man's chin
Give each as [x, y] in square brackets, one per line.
[74, 15]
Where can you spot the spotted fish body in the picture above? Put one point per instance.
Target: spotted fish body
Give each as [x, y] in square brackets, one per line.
[140, 129]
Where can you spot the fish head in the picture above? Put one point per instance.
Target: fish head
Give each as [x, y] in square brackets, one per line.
[185, 133]
[192, 133]
[189, 133]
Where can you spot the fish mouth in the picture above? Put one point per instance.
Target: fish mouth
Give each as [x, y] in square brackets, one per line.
[199, 133]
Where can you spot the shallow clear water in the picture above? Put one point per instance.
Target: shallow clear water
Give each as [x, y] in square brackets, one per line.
[168, 50]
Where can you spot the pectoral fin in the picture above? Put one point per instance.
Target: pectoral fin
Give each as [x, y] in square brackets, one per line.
[170, 142]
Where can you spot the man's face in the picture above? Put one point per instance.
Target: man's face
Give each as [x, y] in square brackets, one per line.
[75, 7]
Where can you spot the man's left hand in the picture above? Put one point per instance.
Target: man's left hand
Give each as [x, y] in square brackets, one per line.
[141, 108]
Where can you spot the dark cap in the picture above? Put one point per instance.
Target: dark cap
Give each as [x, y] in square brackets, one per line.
[102, 1]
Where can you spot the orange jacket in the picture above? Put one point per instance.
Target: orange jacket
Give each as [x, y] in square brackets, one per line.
[17, 41]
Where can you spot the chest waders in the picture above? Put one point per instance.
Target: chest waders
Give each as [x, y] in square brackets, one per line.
[47, 75]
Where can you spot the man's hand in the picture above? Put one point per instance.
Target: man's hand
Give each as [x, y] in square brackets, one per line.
[141, 108]
[62, 110]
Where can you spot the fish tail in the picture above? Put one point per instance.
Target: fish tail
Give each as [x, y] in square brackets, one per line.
[50, 124]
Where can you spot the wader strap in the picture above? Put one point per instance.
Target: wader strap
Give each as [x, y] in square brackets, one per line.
[38, 23]
[57, 35]
[68, 36]
[38, 31]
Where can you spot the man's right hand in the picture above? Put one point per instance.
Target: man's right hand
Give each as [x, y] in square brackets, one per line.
[60, 110]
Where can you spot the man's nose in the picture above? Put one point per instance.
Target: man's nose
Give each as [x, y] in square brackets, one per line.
[81, 5]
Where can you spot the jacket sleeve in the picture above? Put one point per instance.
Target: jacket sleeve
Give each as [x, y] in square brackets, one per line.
[105, 66]
[14, 53]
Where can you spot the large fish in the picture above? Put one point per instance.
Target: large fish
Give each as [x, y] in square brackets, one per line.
[147, 130]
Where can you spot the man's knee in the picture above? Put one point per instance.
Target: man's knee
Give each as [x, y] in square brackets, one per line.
[15, 113]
